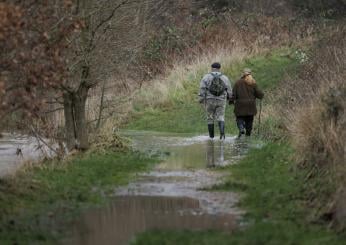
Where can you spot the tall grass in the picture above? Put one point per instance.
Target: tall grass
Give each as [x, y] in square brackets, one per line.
[171, 104]
[180, 82]
[228, 38]
[315, 110]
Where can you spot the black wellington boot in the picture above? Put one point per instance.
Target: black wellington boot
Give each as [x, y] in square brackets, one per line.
[222, 130]
[240, 125]
[211, 130]
[241, 132]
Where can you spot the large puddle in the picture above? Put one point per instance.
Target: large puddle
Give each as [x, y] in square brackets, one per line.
[131, 215]
[16, 149]
[195, 152]
[171, 197]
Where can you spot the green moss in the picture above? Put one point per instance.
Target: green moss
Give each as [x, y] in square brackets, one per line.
[185, 115]
[274, 201]
[34, 201]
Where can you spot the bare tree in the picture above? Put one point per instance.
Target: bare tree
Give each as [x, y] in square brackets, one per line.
[96, 17]
[111, 38]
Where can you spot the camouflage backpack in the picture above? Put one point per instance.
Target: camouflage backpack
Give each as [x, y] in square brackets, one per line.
[217, 87]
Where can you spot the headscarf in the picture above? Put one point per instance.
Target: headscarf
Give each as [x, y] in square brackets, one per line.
[249, 79]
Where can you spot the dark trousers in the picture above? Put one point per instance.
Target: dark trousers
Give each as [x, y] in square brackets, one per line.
[245, 122]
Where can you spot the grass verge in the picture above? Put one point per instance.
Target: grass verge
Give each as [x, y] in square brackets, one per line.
[38, 201]
[180, 111]
[274, 201]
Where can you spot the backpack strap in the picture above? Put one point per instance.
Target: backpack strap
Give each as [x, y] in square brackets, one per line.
[216, 75]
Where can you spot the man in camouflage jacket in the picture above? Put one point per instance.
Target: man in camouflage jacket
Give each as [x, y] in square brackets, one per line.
[215, 105]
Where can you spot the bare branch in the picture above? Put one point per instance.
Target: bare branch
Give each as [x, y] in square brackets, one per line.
[37, 136]
[102, 22]
[110, 16]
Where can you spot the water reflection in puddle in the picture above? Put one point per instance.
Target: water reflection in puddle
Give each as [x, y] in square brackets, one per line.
[131, 215]
[10, 159]
[182, 152]
[170, 197]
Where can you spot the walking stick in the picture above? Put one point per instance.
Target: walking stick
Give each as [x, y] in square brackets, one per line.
[205, 102]
[259, 118]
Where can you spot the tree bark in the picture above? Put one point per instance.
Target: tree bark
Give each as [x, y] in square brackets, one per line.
[76, 128]
[80, 118]
[69, 121]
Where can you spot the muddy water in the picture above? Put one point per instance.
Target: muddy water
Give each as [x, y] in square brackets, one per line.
[194, 152]
[171, 197]
[131, 215]
[10, 160]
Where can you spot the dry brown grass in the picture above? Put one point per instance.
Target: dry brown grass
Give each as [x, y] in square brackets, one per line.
[228, 40]
[315, 110]
[182, 74]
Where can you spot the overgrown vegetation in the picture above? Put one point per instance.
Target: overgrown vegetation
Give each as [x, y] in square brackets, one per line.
[177, 108]
[275, 200]
[314, 107]
[38, 202]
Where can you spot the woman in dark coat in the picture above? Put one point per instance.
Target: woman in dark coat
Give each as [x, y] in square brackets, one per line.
[245, 93]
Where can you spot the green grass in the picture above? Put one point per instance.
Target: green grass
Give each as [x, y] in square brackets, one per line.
[274, 201]
[37, 203]
[268, 69]
[183, 118]
[183, 114]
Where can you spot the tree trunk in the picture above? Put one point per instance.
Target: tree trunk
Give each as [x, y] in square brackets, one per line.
[69, 121]
[81, 94]
[75, 100]
[80, 118]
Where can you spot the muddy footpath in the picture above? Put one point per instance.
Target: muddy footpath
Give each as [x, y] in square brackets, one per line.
[173, 196]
